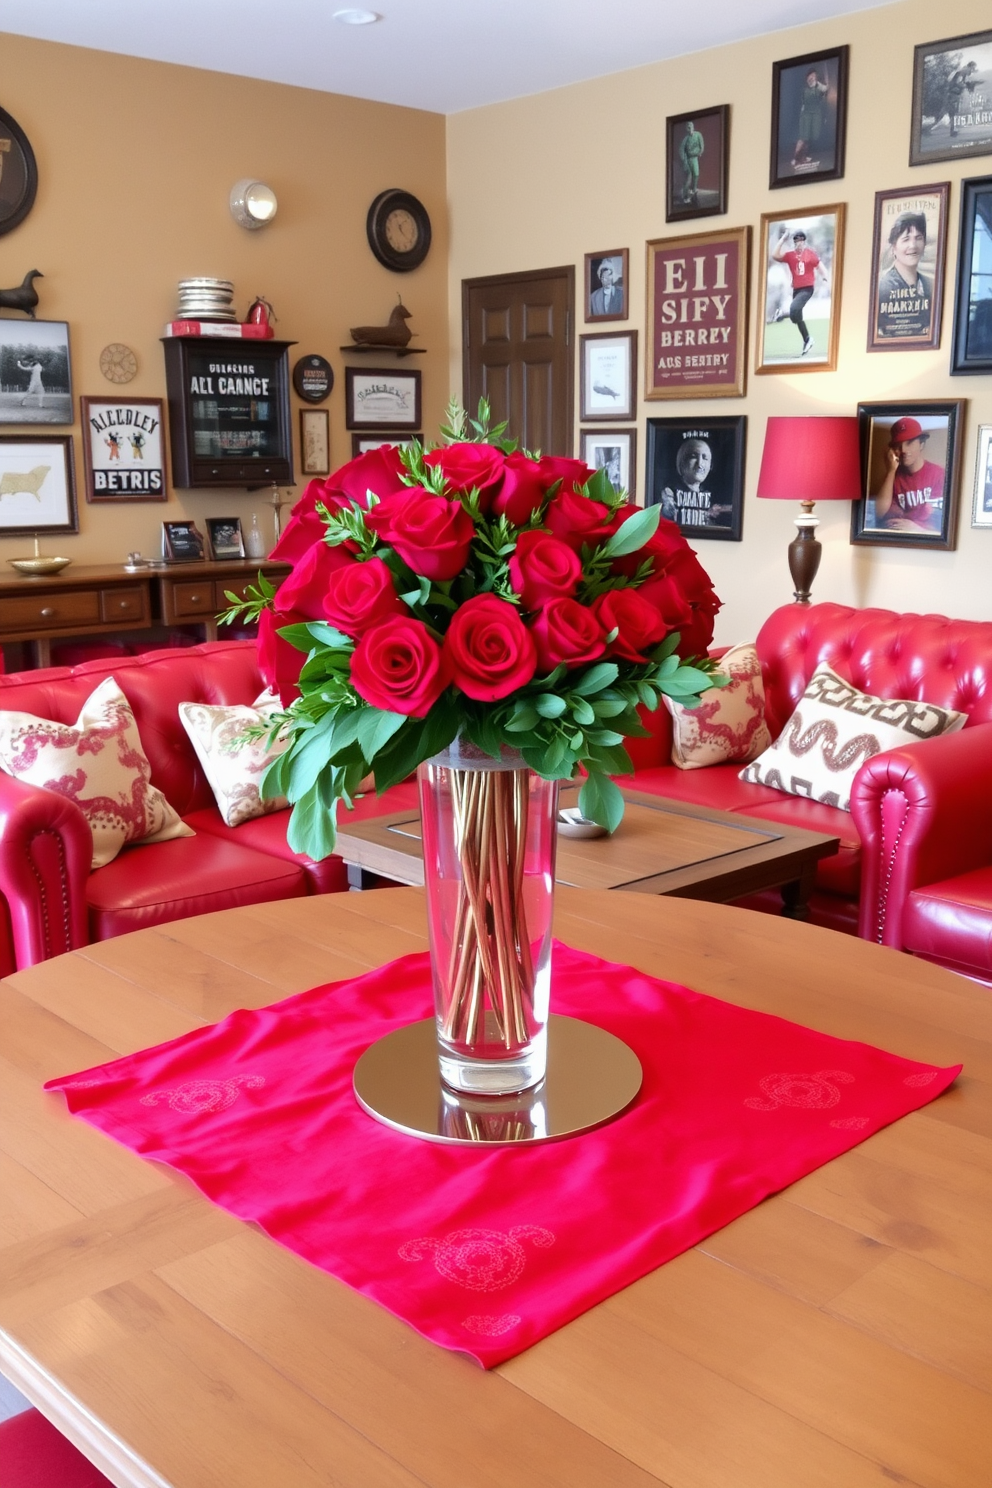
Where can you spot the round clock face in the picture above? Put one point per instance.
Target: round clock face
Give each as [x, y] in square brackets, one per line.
[18, 174]
[399, 230]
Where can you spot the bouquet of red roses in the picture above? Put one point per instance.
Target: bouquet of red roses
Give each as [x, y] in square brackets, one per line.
[472, 589]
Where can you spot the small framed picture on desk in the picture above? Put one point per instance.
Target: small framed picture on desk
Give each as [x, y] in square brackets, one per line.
[182, 542]
[226, 538]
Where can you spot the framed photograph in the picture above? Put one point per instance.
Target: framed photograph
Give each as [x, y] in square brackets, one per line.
[35, 379]
[697, 315]
[952, 99]
[18, 174]
[971, 349]
[695, 473]
[612, 450]
[909, 464]
[123, 449]
[226, 537]
[37, 484]
[315, 441]
[981, 514]
[182, 542]
[608, 375]
[698, 156]
[362, 443]
[799, 319]
[809, 118]
[380, 398]
[607, 275]
[907, 268]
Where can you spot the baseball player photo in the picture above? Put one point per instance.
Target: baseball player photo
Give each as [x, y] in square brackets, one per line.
[911, 474]
[800, 320]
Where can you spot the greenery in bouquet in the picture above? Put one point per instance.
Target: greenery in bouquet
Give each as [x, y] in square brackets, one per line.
[472, 589]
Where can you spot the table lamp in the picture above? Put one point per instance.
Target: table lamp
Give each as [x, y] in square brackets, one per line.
[809, 460]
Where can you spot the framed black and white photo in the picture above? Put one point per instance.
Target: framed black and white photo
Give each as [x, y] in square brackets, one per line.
[981, 512]
[698, 163]
[37, 484]
[907, 268]
[695, 473]
[315, 441]
[971, 349]
[952, 99]
[799, 313]
[607, 274]
[35, 377]
[226, 538]
[123, 449]
[809, 118]
[361, 444]
[909, 466]
[381, 398]
[182, 542]
[612, 450]
[608, 376]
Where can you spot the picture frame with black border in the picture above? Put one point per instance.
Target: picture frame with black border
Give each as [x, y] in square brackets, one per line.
[608, 376]
[182, 542]
[697, 154]
[907, 268]
[362, 444]
[695, 472]
[615, 451]
[910, 467]
[971, 346]
[37, 484]
[607, 281]
[382, 398]
[225, 537]
[981, 512]
[35, 372]
[19, 181]
[315, 441]
[123, 449]
[809, 118]
[799, 289]
[951, 113]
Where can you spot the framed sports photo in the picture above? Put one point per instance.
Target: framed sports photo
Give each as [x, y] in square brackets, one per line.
[907, 268]
[37, 484]
[971, 349]
[952, 99]
[799, 316]
[698, 163]
[909, 464]
[35, 376]
[315, 441]
[608, 375]
[612, 450]
[981, 514]
[182, 542]
[695, 473]
[123, 449]
[607, 278]
[361, 444]
[809, 118]
[381, 398]
[226, 537]
[696, 343]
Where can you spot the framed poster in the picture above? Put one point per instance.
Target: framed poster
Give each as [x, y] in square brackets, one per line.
[907, 268]
[952, 99]
[909, 463]
[35, 379]
[981, 514]
[697, 315]
[37, 484]
[612, 450]
[315, 441]
[698, 156]
[182, 542]
[971, 350]
[226, 537]
[607, 275]
[608, 375]
[809, 118]
[377, 398]
[695, 473]
[123, 449]
[361, 444]
[801, 259]
[18, 174]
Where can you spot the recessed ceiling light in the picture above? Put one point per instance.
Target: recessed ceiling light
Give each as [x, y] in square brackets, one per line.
[357, 17]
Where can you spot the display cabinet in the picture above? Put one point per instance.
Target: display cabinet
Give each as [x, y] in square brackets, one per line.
[228, 411]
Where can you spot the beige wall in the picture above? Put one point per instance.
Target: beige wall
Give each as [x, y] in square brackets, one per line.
[544, 180]
[136, 160]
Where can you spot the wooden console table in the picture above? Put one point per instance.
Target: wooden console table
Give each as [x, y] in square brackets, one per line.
[105, 600]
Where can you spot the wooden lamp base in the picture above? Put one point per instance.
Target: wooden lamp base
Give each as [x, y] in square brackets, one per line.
[805, 552]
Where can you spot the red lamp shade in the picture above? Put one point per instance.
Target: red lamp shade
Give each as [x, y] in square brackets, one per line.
[811, 459]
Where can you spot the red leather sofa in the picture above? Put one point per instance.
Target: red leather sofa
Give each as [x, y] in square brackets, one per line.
[50, 902]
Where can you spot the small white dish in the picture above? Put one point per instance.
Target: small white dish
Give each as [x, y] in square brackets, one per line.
[571, 823]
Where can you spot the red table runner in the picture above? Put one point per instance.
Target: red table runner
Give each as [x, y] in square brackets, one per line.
[489, 1250]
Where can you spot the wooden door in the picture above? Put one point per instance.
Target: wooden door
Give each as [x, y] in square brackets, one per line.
[518, 352]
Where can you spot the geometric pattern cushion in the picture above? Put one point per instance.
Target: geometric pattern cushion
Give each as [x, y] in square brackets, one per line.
[233, 764]
[729, 723]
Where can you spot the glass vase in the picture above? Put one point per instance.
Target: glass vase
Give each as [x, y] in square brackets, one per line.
[489, 834]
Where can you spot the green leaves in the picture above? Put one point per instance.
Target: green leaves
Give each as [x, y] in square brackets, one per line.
[257, 597]
[600, 800]
[635, 532]
[596, 678]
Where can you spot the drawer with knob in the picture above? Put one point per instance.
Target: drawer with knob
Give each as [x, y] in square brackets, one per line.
[124, 606]
[191, 600]
[38, 612]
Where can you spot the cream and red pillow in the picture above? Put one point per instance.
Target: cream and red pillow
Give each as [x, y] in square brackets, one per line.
[233, 764]
[834, 729]
[729, 724]
[99, 763]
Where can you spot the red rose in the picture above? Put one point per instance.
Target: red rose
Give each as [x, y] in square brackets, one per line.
[568, 632]
[431, 534]
[571, 473]
[666, 595]
[638, 622]
[304, 527]
[278, 661]
[488, 648]
[470, 467]
[397, 666]
[542, 568]
[577, 519]
[361, 595]
[665, 545]
[380, 470]
[306, 587]
[522, 491]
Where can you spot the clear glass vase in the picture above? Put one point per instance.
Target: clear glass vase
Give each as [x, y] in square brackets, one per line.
[489, 838]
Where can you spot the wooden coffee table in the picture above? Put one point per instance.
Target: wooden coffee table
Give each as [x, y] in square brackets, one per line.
[661, 847]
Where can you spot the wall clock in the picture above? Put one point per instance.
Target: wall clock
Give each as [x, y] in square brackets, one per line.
[399, 230]
[18, 174]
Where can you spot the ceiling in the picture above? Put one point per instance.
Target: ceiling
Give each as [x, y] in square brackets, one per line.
[441, 55]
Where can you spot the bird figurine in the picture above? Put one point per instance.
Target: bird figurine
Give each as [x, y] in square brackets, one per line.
[396, 333]
[23, 296]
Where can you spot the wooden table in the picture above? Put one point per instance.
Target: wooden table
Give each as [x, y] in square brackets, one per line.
[836, 1336]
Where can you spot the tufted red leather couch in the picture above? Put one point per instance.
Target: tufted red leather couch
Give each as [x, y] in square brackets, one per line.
[50, 902]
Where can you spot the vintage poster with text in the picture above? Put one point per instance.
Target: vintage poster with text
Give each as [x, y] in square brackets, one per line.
[697, 315]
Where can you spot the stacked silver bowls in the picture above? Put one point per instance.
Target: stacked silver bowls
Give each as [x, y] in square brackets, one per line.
[206, 299]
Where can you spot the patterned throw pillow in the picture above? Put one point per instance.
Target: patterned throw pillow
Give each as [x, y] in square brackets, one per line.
[729, 723]
[834, 729]
[99, 763]
[233, 765]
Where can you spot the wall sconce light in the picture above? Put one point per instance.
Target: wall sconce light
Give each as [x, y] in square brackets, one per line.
[809, 460]
[253, 204]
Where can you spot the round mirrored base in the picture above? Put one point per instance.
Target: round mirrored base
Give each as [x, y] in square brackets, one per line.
[592, 1076]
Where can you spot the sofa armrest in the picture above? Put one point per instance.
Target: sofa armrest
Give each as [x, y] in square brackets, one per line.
[46, 848]
[924, 813]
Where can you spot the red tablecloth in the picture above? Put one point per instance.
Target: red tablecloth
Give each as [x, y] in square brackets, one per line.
[487, 1251]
